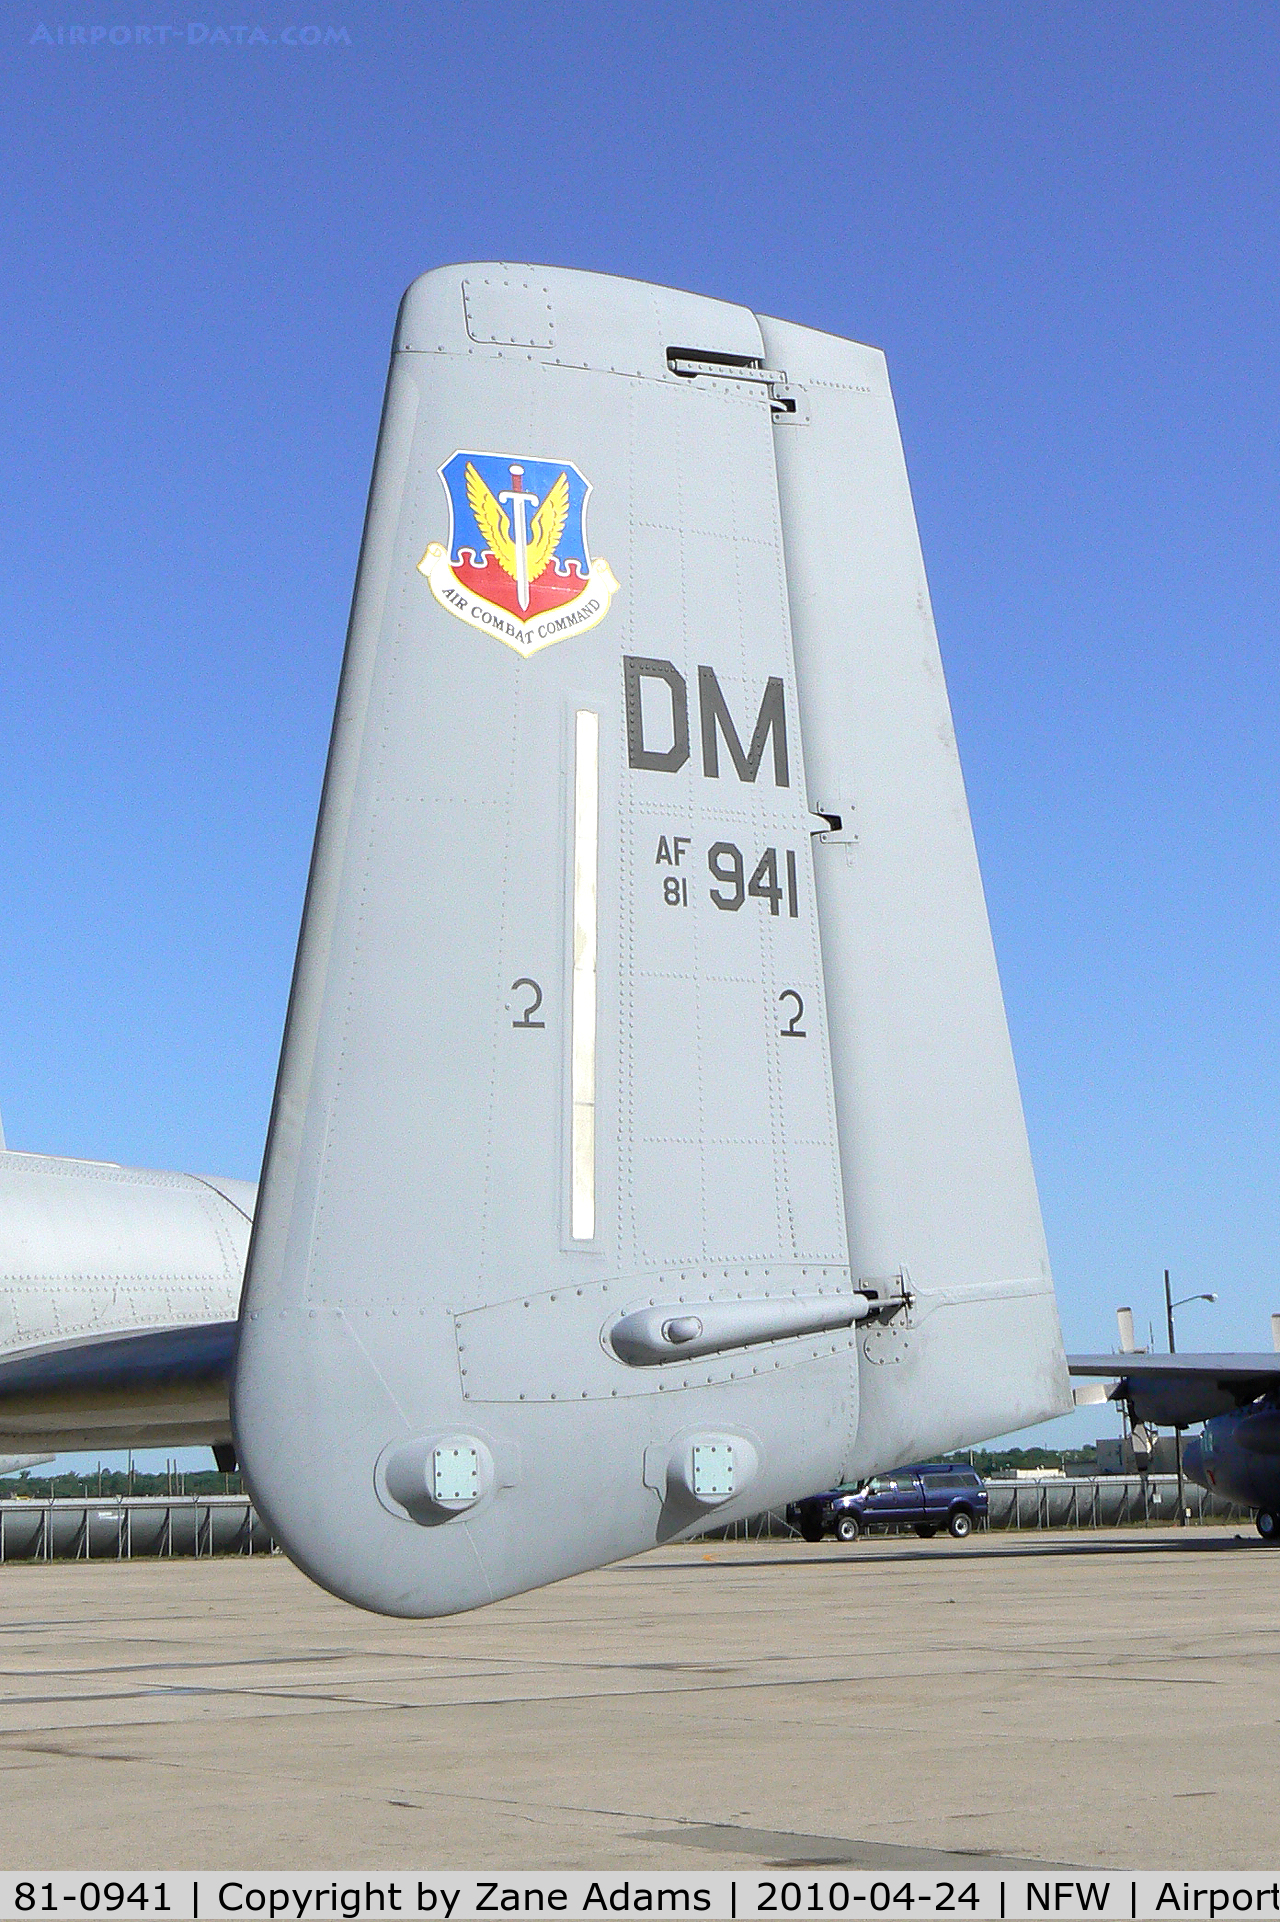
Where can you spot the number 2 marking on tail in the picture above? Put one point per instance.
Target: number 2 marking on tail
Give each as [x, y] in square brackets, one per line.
[791, 1032]
[526, 1020]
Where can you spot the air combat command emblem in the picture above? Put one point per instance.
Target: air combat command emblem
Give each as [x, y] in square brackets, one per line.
[517, 564]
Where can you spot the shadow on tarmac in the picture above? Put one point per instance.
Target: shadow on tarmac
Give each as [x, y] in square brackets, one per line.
[719, 1554]
[782, 1849]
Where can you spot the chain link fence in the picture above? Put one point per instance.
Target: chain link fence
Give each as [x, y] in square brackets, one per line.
[1103, 1501]
[120, 1529]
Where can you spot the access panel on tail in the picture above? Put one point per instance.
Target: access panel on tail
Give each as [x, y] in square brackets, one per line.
[570, 1240]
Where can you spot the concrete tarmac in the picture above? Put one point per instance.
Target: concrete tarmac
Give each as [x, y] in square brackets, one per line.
[1108, 1698]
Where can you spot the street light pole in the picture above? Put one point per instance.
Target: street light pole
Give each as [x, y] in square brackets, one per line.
[1169, 1305]
[1177, 1432]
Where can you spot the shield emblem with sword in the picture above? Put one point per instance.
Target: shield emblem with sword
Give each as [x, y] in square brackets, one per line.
[517, 564]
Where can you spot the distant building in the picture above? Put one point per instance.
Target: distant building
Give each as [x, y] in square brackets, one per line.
[1118, 1457]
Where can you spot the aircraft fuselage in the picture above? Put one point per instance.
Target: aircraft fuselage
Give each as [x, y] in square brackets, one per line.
[1238, 1456]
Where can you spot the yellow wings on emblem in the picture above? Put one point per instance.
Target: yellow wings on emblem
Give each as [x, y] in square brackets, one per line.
[548, 526]
[490, 519]
[544, 532]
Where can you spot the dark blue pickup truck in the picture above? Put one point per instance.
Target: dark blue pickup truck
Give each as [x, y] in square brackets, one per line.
[927, 1496]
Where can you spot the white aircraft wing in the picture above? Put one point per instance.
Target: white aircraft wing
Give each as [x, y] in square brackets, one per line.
[152, 1388]
[119, 1290]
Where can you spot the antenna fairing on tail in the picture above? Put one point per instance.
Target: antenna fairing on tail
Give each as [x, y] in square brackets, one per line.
[596, 1023]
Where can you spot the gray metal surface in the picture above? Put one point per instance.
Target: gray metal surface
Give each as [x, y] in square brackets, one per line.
[557, 1051]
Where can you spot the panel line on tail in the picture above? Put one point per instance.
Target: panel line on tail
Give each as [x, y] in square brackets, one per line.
[586, 836]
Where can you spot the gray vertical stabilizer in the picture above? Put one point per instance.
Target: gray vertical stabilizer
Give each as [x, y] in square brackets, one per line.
[646, 1150]
[551, 1259]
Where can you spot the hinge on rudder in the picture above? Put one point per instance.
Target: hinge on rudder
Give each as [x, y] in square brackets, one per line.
[889, 1296]
[787, 403]
[836, 816]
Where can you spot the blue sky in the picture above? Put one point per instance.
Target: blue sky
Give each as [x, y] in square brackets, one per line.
[1060, 224]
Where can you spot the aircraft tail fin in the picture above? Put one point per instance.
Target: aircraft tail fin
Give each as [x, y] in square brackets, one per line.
[646, 1148]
